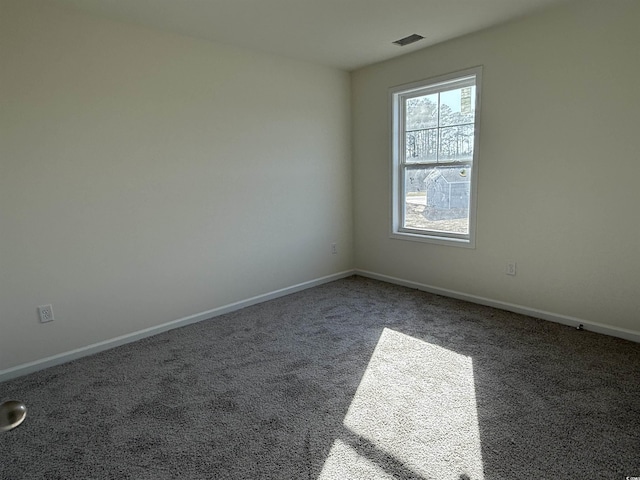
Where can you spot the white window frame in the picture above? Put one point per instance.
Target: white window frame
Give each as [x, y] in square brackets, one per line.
[398, 95]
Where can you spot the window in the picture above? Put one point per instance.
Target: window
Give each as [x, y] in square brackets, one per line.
[434, 150]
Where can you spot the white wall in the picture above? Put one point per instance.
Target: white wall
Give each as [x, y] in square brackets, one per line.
[145, 177]
[559, 165]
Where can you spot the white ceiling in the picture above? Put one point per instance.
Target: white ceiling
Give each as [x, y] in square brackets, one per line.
[340, 33]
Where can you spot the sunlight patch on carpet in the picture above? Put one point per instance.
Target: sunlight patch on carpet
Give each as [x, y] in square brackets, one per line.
[414, 414]
[359, 466]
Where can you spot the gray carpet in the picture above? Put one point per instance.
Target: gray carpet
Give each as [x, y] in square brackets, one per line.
[353, 379]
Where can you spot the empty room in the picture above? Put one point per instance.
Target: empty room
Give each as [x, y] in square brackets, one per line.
[319, 239]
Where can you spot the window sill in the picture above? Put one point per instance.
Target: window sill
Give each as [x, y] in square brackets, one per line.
[434, 239]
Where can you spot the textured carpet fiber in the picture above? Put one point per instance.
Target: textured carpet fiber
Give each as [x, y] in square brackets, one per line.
[353, 379]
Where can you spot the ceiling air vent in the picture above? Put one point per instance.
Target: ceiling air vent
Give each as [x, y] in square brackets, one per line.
[408, 40]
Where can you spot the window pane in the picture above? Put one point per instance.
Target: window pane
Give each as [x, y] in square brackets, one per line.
[456, 143]
[421, 145]
[437, 199]
[457, 106]
[421, 112]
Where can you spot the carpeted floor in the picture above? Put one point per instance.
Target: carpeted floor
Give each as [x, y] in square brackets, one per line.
[355, 379]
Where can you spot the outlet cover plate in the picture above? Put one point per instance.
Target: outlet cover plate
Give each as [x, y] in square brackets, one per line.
[45, 313]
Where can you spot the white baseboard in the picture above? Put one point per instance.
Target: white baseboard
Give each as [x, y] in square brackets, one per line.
[47, 362]
[624, 333]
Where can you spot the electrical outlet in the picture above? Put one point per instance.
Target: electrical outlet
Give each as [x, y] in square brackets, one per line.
[334, 248]
[511, 268]
[45, 312]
